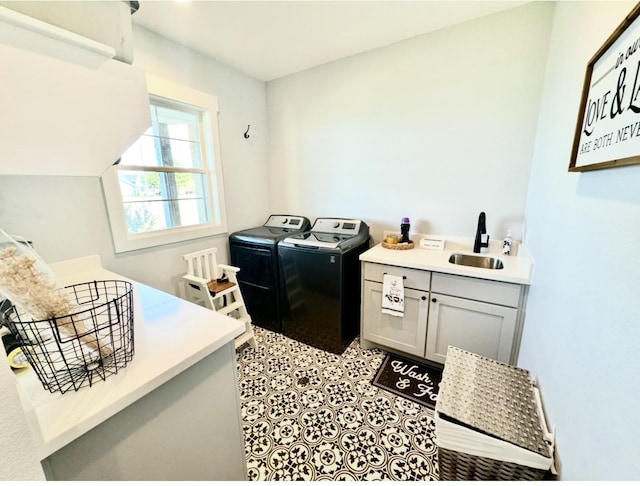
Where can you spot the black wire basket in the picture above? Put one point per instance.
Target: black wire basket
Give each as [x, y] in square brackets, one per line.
[74, 351]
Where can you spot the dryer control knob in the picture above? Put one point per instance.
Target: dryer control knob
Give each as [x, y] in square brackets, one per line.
[336, 224]
[285, 220]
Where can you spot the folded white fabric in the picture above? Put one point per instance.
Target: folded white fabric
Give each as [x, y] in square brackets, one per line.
[392, 295]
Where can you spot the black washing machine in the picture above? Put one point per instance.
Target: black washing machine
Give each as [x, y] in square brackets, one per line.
[320, 283]
[255, 252]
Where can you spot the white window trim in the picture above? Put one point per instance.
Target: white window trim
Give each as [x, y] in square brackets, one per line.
[122, 240]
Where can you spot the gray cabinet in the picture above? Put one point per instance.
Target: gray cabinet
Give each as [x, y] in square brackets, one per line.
[481, 328]
[407, 333]
[167, 434]
[482, 316]
[478, 315]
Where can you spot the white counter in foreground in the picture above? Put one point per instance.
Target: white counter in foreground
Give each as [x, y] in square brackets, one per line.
[173, 394]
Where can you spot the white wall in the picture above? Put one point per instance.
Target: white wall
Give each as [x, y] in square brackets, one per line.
[582, 331]
[66, 217]
[436, 128]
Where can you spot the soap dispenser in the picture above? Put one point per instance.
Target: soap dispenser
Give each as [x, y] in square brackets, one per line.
[404, 230]
[507, 243]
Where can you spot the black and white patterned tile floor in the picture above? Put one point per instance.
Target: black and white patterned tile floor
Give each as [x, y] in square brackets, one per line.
[312, 415]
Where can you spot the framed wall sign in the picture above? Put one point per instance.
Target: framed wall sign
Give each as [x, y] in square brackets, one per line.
[608, 126]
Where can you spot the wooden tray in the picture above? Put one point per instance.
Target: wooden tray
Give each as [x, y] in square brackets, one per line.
[398, 246]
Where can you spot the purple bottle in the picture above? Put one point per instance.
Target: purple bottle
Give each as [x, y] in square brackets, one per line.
[404, 229]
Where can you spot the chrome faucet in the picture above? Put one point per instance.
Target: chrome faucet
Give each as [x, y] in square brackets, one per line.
[482, 238]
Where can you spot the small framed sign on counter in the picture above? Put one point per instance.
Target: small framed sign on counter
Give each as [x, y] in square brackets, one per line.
[608, 126]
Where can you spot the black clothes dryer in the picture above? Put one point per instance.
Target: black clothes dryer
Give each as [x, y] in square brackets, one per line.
[255, 252]
[320, 280]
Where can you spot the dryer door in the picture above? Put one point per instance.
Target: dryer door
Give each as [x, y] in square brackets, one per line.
[258, 279]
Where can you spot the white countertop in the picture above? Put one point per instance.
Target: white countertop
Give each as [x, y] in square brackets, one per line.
[170, 335]
[517, 268]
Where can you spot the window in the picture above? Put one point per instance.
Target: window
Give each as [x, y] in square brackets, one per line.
[167, 187]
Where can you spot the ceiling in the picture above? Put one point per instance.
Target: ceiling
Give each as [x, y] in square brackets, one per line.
[271, 39]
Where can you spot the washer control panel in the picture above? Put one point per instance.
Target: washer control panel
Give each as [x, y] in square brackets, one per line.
[337, 226]
[286, 221]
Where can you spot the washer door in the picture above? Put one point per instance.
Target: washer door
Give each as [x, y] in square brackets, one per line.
[311, 296]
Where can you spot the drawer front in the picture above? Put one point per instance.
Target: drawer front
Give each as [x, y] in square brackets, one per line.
[500, 293]
[413, 279]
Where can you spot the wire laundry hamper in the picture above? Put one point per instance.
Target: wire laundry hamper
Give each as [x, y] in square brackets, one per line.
[74, 351]
[490, 424]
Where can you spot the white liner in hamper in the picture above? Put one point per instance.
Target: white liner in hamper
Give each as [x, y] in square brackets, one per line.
[490, 409]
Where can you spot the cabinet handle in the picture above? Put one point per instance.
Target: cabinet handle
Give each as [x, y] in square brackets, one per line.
[434, 300]
[403, 277]
[423, 298]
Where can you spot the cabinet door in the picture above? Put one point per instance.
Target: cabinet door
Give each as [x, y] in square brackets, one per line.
[485, 329]
[405, 333]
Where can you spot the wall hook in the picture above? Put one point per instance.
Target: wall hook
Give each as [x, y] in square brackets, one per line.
[246, 134]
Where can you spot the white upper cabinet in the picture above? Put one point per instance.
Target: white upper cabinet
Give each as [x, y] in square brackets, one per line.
[67, 107]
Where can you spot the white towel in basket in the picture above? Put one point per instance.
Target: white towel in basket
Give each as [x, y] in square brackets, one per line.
[392, 295]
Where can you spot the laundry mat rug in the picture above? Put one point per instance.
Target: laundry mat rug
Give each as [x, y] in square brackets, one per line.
[409, 379]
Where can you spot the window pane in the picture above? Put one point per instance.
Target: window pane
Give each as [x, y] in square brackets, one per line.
[172, 141]
[144, 216]
[160, 200]
[179, 125]
[151, 151]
